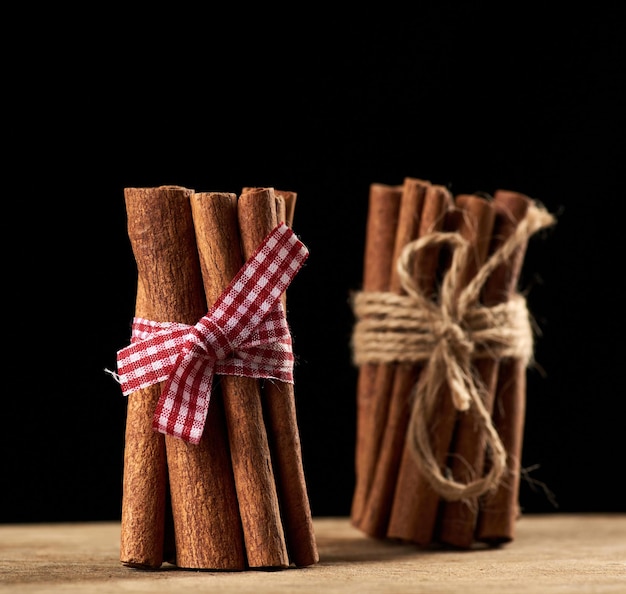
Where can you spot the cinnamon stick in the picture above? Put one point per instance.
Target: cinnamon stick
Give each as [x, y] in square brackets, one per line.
[458, 518]
[257, 217]
[499, 510]
[422, 211]
[145, 471]
[204, 501]
[281, 207]
[287, 199]
[373, 520]
[215, 217]
[383, 209]
[162, 236]
[415, 506]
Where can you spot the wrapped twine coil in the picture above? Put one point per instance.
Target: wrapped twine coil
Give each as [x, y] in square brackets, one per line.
[445, 336]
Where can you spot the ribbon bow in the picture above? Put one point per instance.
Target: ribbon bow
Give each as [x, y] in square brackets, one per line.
[244, 333]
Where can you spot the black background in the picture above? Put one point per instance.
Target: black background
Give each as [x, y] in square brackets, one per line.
[471, 96]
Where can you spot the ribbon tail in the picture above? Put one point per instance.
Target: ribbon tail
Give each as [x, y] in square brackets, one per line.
[150, 358]
[184, 402]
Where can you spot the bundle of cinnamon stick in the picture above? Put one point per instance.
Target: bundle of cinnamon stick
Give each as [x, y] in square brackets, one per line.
[442, 340]
[237, 499]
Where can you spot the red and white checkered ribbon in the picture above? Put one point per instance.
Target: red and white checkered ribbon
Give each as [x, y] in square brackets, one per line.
[244, 333]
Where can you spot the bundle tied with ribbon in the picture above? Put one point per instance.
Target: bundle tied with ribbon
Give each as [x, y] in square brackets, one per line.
[213, 475]
[442, 339]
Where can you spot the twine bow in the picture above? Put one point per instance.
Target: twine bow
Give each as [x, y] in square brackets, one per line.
[244, 333]
[446, 336]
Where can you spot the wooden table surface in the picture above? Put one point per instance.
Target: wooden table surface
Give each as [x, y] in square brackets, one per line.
[550, 554]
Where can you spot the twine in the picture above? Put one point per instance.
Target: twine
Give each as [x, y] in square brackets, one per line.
[445, 336]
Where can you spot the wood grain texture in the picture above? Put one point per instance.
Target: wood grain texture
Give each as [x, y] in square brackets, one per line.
[555, 554]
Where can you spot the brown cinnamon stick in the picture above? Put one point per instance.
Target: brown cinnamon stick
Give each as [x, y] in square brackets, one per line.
[285, 202]
[499, 510]
[373, 518]
[415, 507]
[161, 232]
[145, 473]
[281, 208]
[289, 197]
[257, 218]
[204, 502]
[458, 518]
[383, 209]
[422, 211]
[215, 217]
[285, 212]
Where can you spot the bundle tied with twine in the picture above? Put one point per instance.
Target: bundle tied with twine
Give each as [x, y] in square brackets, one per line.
[445, 336]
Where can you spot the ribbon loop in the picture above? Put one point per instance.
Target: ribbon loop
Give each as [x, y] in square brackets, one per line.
[244, 333]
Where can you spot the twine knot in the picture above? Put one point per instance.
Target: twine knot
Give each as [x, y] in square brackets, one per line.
[453, 337]
[446, 335]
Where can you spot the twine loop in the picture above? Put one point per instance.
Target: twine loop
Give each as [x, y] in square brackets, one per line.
[446, 335]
